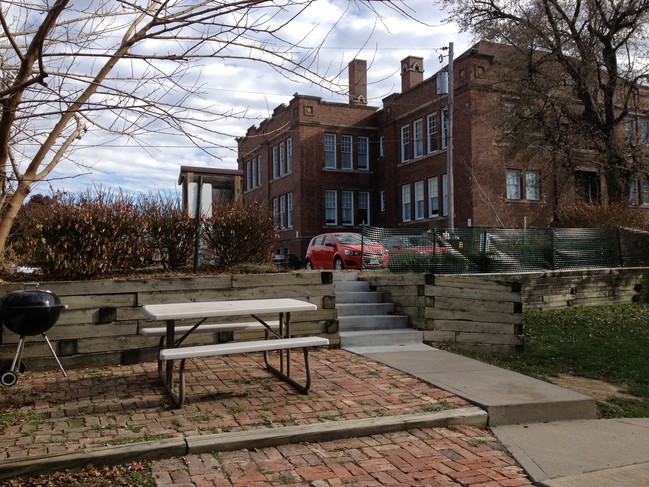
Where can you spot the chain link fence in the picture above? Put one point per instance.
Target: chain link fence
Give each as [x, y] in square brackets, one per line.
[493, 250]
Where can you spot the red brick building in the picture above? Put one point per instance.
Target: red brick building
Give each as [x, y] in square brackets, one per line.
[333, 166]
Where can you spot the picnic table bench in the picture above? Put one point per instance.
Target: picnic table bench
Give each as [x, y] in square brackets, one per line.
[277, 336]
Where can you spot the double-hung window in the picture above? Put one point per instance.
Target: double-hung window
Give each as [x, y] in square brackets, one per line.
[275, 162]
[364, 207]
[445, 128]
[282, 159]
[418, 138]
[282, 211]
[331, 210]
[346, 148]
[444, 195]
[634, 192]
[330, 150]
[289, 210]
[348, 207]
[405, 143]
[532, 186]
[362, 156]
[249, 175]
[431, 132]
[645, 191]
[406, 204]
[289, 155]
[276, 212]
[433, 196]
[419, 200]
[513, 184]
[259, 181]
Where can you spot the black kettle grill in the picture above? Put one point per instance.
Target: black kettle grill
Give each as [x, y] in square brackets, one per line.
[28, 312]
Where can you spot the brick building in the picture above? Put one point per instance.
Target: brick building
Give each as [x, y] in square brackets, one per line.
[334, 166]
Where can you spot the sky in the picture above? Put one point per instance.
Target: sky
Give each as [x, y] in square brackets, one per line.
[252, 90]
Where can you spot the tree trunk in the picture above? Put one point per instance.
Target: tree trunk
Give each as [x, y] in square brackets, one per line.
[13, 206]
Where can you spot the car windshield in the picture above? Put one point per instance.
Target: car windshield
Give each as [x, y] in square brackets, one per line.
[407, 241]
[349, 238]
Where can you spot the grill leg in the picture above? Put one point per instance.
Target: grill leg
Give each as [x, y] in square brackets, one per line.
[54, 353]
[15, 365]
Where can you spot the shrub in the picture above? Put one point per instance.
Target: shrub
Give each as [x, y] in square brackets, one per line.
[171, 232]
[434, 263]
[240, 233]
[596, 215]
[81, 236]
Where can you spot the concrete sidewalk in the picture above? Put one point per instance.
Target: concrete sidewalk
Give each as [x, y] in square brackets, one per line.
[552, 432]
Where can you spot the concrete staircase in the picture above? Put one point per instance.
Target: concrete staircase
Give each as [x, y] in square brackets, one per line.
[367, 324]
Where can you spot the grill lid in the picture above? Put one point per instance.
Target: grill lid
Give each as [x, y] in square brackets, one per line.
[30, 312]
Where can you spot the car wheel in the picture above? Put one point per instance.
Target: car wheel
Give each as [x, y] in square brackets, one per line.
[308, 265]
[338, 264]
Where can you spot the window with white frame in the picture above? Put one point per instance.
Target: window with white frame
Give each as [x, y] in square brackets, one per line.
[330, 150]
[444, 195]
[348, 207]
[418, 138]
[282, 158]
[259, 172]
[445, 128]
[419, 200]
[513, 184]
[645, 191]
[346, 148]
[364, 208]
[253, 170]
[644, 131]
[282, 211]
[275, 162]
[289, 210]
[276, 212]
[433, 197]
[532, 186]
[406, 204]
[381, 146]
[382, 201]
[634, 192]
[431, 132]
[405, 143]
[289, 155]
[331, 209]
[249, 175]
[362, 156]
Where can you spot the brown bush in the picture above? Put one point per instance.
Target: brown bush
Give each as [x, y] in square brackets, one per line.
[597, 215]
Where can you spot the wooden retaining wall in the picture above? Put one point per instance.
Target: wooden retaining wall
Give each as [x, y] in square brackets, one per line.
[100, 326]
[484, 311]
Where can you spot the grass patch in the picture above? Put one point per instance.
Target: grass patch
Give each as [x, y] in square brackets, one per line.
[609, 343]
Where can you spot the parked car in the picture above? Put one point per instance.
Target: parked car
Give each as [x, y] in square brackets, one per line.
[287, 261]
[344, 250]
[397, 244]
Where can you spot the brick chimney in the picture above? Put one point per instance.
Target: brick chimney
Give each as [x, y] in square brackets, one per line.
[412, 72]
[357, 82]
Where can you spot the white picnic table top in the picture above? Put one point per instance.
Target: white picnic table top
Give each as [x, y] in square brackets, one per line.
[210, 309]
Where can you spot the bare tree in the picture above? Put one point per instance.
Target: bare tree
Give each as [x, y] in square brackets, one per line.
[127, 67]
[576, 74]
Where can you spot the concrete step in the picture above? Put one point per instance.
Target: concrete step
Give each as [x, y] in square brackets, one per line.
[508, 397]
[340, 276]
[375, 322]
[394, 347]
[375, 338]
[364, 309]
[359, 297]
[351, 286]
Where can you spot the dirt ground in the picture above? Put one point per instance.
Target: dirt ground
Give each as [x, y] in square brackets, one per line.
[597, 389]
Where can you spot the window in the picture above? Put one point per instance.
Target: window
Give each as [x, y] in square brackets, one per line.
[405, 143]
[433, 197]
[634, 192]
[289, 210]
[331, 209]
[259, 181]
[445, 194]
[406, 205]
[418, 136]
[282, 211]
[275, 163]
[445, 128]
[249, 175]
[364, 208]
[348, 207]
[253, 165]
[431, 121]
[532, 186]
[587, 186]
[381, 146]
[382, 201]
[419, 200]
[282, 159]
[513, 184]
[645, 191]
[289, 155]
[362, 146]
[330, 150]
[346, 152]
[276, 212]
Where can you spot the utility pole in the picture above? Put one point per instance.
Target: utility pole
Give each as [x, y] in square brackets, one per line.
[449, 142]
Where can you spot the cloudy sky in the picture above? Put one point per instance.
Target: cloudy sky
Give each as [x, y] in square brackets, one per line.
[252, 90]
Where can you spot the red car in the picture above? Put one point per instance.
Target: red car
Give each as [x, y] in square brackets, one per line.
[344, 250]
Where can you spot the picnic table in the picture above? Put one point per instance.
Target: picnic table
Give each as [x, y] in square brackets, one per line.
[278, 336]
